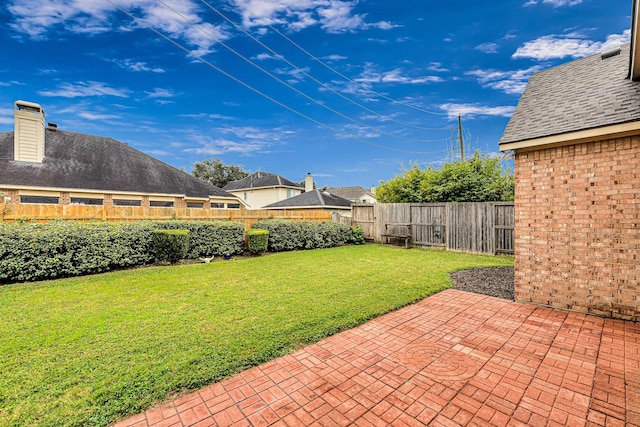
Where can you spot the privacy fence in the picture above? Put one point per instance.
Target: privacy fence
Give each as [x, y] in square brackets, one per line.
[467, 227]
[43, 213]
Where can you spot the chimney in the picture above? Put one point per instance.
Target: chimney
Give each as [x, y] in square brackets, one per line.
[308, 183]
[52, 127]
[28, 135]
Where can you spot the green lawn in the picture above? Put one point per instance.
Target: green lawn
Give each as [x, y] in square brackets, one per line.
[91, 350]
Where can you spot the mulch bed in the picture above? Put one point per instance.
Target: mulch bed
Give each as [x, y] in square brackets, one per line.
[492, 281]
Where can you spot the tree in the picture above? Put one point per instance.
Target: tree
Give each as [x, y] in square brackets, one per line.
[217, 173]
[479, 179]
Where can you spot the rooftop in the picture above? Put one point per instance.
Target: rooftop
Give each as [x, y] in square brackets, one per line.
[260, 180]
[588, 93]
[311, 199]
[88, 162]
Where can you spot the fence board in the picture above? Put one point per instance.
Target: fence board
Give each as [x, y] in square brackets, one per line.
[429, 224]
[504, 228]
[363, 216]
[468, 227]
[44, 213]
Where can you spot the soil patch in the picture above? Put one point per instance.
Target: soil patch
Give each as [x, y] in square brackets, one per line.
[492, 281]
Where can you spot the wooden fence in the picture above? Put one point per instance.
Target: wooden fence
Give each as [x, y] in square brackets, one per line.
[43, 213]
[467, 227]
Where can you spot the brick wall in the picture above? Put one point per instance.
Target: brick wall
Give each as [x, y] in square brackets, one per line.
[577, 227]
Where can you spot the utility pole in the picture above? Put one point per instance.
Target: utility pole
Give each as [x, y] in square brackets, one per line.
[461, 138]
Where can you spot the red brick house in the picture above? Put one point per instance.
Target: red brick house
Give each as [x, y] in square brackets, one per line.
[575, 135]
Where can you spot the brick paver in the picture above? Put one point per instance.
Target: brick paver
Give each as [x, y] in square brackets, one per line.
[455, 358]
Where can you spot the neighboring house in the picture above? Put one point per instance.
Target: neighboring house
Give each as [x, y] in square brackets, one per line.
[262, 188]
[48, 166]
[314, 199]
[575, 135]
[355, 194]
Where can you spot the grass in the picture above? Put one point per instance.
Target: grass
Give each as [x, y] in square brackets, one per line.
[91, 350]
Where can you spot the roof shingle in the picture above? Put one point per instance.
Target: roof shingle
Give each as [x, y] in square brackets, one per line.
[88, 162]
[314, 198]
[584, 94]
[260, 180]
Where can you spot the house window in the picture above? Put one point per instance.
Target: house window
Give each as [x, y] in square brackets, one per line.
[233, 205]
[40, 200]
[290, 193]
[127, 202]
[217, 205]
[89, 201]
[245, 196]
[160, 204]
[197, 205]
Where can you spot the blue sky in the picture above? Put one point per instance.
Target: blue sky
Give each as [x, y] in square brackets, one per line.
[347, 90]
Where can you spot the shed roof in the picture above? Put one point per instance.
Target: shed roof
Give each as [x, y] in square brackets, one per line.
[312, 199]
[88, 162]
[588, 93]
[260, 180]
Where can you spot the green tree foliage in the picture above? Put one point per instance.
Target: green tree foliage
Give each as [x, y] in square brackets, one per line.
[479, 179]
[217, 173]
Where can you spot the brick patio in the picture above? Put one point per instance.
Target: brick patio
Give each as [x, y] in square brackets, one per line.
[455, 358]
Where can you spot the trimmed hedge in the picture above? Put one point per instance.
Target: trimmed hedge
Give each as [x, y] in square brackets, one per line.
[170, 245]
[31, 252]
[258, 240]
[287, 235]
[210, 237]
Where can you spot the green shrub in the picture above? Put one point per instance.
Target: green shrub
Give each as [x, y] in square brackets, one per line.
[209, 238]
[287, 235]
[32, 251]
[358, 236]
[257, 240]
[170, 245]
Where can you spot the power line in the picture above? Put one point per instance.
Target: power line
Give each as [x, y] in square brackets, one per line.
[302, 71]
[264, 95]
[287, 85]
[347, 78]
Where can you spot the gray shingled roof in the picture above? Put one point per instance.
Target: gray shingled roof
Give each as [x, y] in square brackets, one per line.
[584, 94]
[260, 180]
[349, 193]
[88, 162]
[312, 199]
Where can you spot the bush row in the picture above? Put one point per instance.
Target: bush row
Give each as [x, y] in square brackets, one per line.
[286, 235]
[58, 249]
[31, 251]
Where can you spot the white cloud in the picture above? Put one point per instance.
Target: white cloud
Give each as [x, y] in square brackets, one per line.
[84, 89]
[297, 74]
[487, 48]
[511, 82]
[39, 19]
[207, 116]
[394, 76]
[266, 56]
[161, 93]
[474, 110]
[246, 140]
[573, 45]
[6, 116]
[93, 116]
[335, 16]
[554, 3]
[437, 67]
[137, 66]
[334, 58]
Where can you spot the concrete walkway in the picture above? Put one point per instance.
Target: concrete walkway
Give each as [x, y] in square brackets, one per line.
[455, 358]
